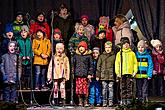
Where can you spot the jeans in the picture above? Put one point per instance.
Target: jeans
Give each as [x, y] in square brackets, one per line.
[9, 92]
[40, 75]
[107, 91]
[94, 92]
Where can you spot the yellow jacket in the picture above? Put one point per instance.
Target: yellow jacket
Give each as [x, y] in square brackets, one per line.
[61, 68]
[129, 63]
[41, 46]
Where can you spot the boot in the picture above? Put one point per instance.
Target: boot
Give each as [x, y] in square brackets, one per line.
[110, 103]
[86, 102]
[80, 101]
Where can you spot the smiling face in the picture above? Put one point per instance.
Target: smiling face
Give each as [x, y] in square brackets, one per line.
[11, 47]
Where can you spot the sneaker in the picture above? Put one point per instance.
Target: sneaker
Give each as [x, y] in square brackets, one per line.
[37, 88]
[97, 105]
[104, 105]
[110, 103]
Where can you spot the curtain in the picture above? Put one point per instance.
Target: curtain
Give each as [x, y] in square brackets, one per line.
[150, 16]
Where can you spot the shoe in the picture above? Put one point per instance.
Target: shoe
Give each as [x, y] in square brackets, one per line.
[37, 88]
[97, 105]
[104, 105]
[44, 88]
[110, 103]
[91, 106]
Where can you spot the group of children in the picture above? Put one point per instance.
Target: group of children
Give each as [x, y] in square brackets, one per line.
[91, 58]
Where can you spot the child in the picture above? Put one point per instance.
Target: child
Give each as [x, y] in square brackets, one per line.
[158, 57]
[105, 73]
[61, 72]
[8, 37]
[127, 71]
[145, 68]
[42, 48]
[77, 37]
[57, 38]
[82, 67]
[25, 53]
[95, 87]
[11, 70]
[121, 29]
[99, 40]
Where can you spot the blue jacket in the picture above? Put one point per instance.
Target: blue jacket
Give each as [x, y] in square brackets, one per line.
[145, 65]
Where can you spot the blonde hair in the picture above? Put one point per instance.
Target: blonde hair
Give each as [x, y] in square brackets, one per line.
[121, 17]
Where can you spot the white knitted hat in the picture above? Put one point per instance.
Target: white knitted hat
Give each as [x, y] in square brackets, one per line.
[156, 42]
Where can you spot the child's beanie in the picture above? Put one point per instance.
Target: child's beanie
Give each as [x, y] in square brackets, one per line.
[156, 42]
[84, 16]
[83, 44]
[8, 28]
[141, 43]
[96, 49]
[109, 43]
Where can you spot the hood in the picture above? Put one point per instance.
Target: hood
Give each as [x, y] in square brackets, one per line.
[124, 25]
[126, 50]
[87, 52]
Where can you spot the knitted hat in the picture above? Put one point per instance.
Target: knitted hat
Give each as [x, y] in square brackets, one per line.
[101, 30]
[84, 16]
[60, 45]
[25, 28]
[19, 13]
[96, 49]
[108, 43]
[141, 43]
[156, 42]
[83, 44]
[124, 40]
[8, 28]
[57, 31]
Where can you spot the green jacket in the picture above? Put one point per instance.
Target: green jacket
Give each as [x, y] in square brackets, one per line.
[25, 49]
[105, 66]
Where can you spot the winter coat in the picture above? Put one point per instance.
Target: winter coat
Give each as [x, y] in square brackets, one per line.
[36, 25]
[25, 49]
[9, 66]
[61, 68]
[82, 64]
[129, 62]
[124, 30]
[96, 42]
[41, 46]
[159, 61]
[75, 40]
[145, 65]
[105, 66]
[66, 26]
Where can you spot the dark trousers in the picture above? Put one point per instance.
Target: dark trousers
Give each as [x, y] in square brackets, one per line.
[127, 87]
[157, 85]
[142, 88]
[9, 92]
[26, 76]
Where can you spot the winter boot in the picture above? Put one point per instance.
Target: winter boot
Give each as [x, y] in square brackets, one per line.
[80, 101]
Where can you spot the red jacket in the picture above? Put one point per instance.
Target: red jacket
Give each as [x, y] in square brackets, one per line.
[35, 26]
[109, 34]
[159, 61]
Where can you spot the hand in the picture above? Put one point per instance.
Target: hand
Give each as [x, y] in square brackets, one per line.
[133, 75]
[89, 77]
[97, 78]
[149, 78]
[23, 58]
[154, 72]
[28, 58]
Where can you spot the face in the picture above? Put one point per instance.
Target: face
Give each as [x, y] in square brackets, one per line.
[95, 54]
[56, 36]
[84, 21]
[19, 18]
[40, 34]
[59, 50]
[9, 35]
[81, 49]
[108, 48]
[40, 18]
[102, 35]
[118, 22]
[24, 34]
[12, 47]
[81, 30]
[141, 49]
[158, 48]
[126, 46]
[63, 11]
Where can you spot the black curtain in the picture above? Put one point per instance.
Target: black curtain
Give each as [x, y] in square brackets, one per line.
[150, 16]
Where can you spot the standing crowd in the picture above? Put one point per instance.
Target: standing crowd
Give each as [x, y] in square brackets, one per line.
[103, 60]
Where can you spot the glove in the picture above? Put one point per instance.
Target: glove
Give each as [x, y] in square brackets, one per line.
[154, 72]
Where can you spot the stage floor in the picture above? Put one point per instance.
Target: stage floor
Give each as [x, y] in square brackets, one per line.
[70, 108]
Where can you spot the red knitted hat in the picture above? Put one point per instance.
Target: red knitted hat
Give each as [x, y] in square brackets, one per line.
[84, 16]
[57, 31]
[83, 44]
